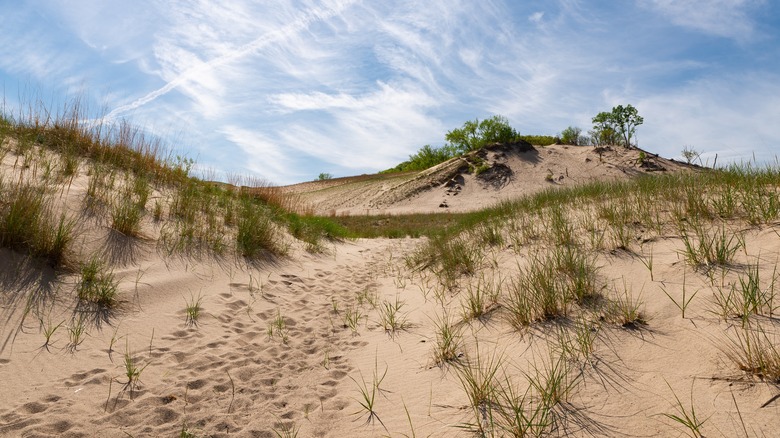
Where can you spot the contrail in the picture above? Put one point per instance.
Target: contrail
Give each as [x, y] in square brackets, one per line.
[309, 17]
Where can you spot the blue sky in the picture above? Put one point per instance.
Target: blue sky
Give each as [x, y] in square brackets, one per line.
[287, 89]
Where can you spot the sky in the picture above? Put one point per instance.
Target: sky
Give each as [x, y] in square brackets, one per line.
[285, 90]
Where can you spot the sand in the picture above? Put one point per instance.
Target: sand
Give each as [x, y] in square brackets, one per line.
[227, 375]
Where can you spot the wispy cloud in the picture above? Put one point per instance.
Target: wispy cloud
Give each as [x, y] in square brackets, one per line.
[198, 68]
[726, 18]
[292, 88]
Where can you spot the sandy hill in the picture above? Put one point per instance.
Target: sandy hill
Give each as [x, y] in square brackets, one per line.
[480, 179]
[135, 301]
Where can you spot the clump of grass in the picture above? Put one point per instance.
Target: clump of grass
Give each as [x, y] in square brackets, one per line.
[76, 333]
[390, 317]
[28, 223]
[193, 309]
[256, 233]
[130, 206]
[449, 341]
[97, 285]
[367, 400]
[755, 351]
[707, 247]
[686, 417]
[286, 430]
[478, 377]
[278, 327]
[481, 298]
[352, 317]
[748, 296]
[489, 234]
[576, 341]
[626, 310]
[449, 259]
[578, 271]
[132, 373]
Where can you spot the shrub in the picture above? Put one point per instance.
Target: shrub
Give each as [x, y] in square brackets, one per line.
[571, 135]
[540, 140]
[427, 157]
[475, 134]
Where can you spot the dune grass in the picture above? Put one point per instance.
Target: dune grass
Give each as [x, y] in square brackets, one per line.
[30, 223]
[126, 166]
[97, 285]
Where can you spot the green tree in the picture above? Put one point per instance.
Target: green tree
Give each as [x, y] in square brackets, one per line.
[616, 127]
[571, 135]
[475, 134]
[324, 176]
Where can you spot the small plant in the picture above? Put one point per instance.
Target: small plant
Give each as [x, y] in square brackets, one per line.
[193, 309]
[48, 332]
[756, 352]
[684, 302]
[97, 286]
[686, 417]
[624, 309]
[478, 377]
[352, 316]
[449, 341]
[390, 317]
[642, 158]
[285, 430]
[690, 154]
[132, 372]
[367, 401]
[278, 327]
[76, 334]
[648, 262]
[480, 299]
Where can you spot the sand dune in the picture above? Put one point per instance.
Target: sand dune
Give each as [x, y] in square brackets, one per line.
[344, 342]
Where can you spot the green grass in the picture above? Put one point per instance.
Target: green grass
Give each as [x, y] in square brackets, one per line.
[686, 416]
[192, 310]
[391, 319]
[132, 373]
[449, 341]
[97, 285]
[754, 350]
[28, 223]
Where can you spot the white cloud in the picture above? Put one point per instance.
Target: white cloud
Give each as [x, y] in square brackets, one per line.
[195, 70]
[265, 157]
[345, 86]
[729, 116]
[536, 17]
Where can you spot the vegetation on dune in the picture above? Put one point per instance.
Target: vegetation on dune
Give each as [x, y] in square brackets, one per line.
[126, 167]
[472, 136]
[615, 127]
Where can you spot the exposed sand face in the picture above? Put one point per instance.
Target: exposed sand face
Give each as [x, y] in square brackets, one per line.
[454, 186]
[228, 375]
